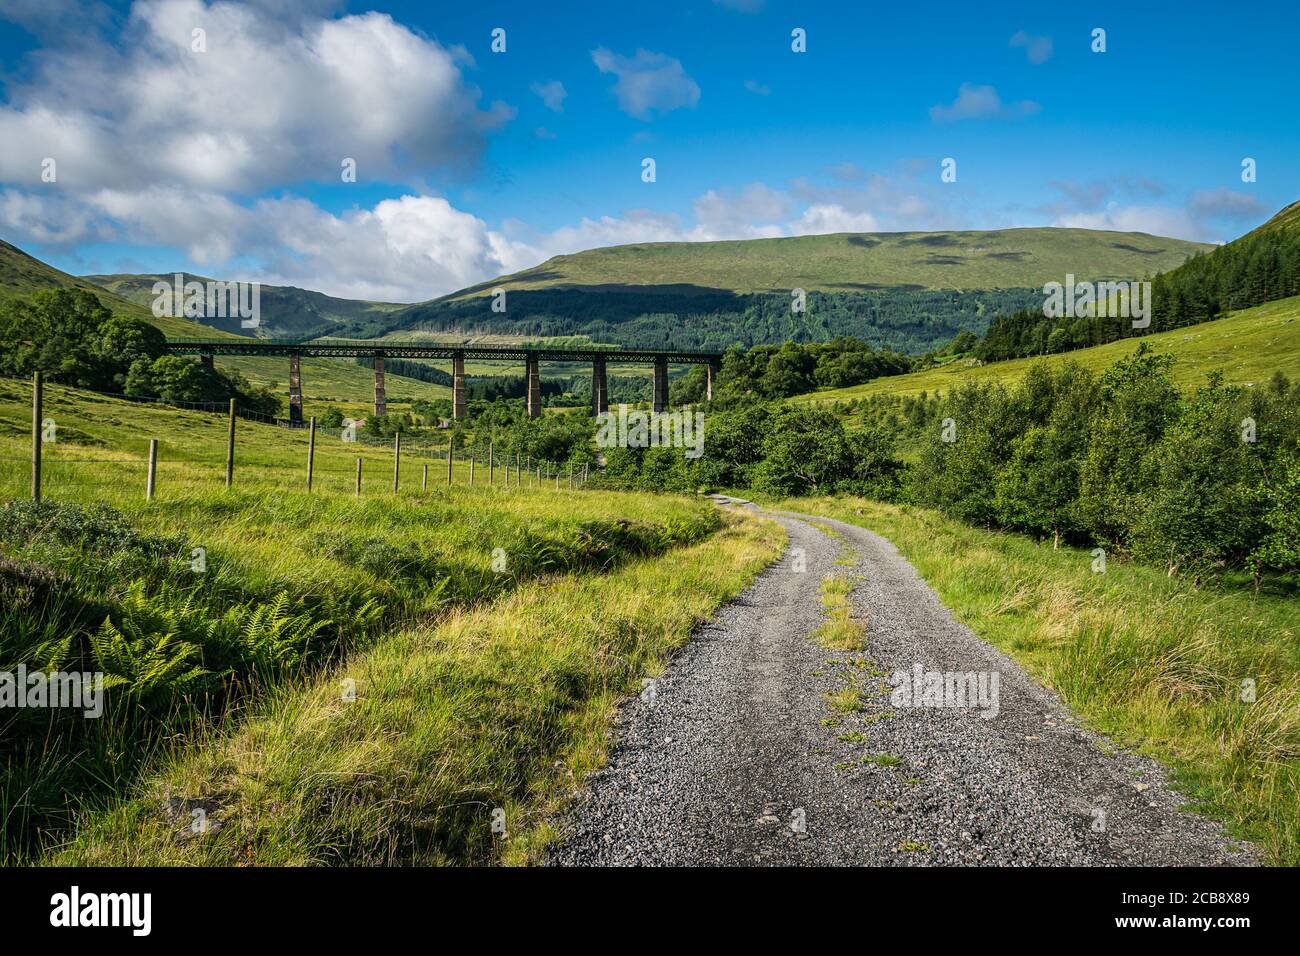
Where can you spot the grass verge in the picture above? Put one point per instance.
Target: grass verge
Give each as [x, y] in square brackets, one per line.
[505, 706]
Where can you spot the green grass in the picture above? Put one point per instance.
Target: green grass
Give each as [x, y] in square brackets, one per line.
[338, 382]
[505, 706]
[845, 701]
[840, 631]
[1247, 346]
[1152, 661]
[1004, 258]
[363, 569]
[191, 449]
[881, 760]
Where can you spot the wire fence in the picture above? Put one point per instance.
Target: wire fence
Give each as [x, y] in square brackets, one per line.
[310, 457]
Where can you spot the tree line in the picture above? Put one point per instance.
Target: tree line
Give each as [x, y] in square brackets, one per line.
[1199, 482]
[73, 339]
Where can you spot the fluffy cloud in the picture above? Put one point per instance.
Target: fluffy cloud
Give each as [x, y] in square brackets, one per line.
[271, 101]
[981, 102]
[1037, 49]
[648, 83]
[1156, 220]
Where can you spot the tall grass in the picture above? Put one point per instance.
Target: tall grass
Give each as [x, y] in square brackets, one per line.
[504, 706]
[199, 605]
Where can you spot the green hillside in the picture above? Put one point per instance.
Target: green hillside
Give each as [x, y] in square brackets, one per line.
[1247, 346]
[994, 259]
[907, 291]
[286, 311]
[21, 275]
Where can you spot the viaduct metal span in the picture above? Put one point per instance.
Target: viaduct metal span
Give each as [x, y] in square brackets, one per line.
[532, 359]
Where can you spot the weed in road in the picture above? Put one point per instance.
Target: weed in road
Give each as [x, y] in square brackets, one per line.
[840, 631]
[847, 700]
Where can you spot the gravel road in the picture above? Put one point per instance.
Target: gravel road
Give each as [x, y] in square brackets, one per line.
[735, 757]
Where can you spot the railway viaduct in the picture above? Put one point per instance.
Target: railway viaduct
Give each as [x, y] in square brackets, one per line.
[532, 359]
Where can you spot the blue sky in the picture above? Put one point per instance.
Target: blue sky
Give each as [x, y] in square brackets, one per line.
[226, 160]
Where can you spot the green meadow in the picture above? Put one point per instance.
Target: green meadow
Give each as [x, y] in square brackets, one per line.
[490, 629]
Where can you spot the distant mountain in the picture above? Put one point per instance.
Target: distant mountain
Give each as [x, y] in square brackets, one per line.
[851, 262]
[907, 291]
[286, 311]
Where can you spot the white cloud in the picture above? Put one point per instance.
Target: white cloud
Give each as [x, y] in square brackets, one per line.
[552, 94]
[1156, 220]
[1037, 49]
[271, 101]
[1207, 215]
[981, 102]
[742, 6]
[52, 219]
[648, 83]
[754, 210]
[822, 218]
[757, 88]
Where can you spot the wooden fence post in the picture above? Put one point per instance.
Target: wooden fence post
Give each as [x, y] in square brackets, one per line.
[153, 469]
[471, 468]
[230, 447]
[38, 401]
[358, 477]
[570, 476]
[424, 480]
[311, 450]
[492, 468]
[449, 460]
[397, 458]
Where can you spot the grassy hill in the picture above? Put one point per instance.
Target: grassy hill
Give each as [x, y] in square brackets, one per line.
[22, 274]
[906, 291]
[286, 311]
[846, 262]
[1247, 346]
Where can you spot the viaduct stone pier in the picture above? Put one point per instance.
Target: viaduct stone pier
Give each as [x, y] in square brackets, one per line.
[600, 359]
